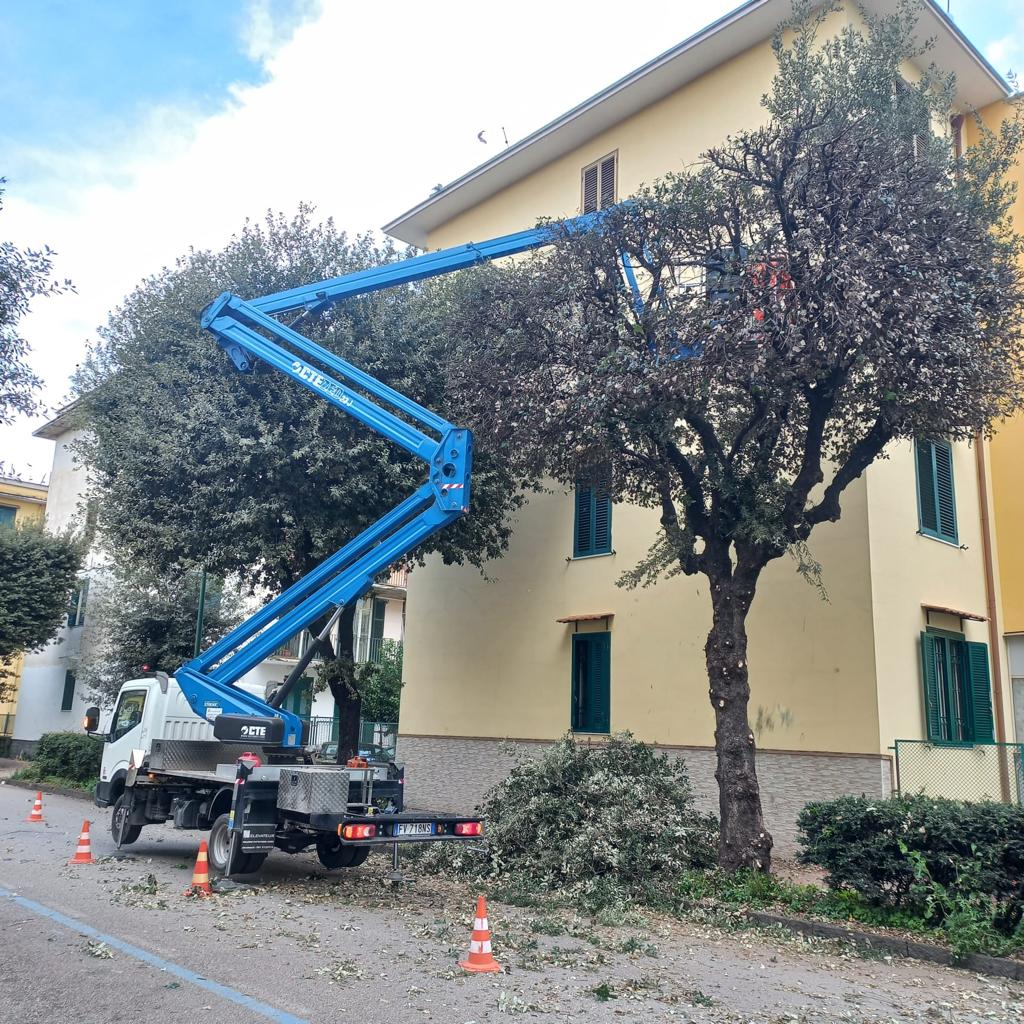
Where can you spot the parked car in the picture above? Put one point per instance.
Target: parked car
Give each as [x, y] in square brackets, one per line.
[327, 752]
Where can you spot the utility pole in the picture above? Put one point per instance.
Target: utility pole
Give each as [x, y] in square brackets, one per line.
[199, 615]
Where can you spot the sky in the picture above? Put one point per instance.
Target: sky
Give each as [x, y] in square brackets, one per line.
[133, 130]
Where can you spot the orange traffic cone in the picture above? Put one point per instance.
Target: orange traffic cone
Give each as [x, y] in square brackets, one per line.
[201, 875]
[83, 854]
[480, 960]
[37, 808]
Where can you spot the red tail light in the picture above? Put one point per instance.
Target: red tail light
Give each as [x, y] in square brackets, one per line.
[469, 828]
[357, 831]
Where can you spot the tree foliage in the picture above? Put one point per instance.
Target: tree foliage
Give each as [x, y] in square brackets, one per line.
[809, 292]
[139, 618]
[24, 275]
[250, 474]
[37, 574]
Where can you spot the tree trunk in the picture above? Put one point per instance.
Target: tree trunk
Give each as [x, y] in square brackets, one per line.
[349, 704]
[744, 840]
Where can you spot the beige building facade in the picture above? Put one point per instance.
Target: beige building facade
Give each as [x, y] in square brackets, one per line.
[835, 683]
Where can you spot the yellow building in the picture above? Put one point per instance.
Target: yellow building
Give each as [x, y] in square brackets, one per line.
[551, 644]
[21, 503]
[1007, 481]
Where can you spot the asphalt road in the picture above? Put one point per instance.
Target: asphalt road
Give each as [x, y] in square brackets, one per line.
[118, 941]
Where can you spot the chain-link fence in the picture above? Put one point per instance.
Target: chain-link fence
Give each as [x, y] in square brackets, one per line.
[961, 771]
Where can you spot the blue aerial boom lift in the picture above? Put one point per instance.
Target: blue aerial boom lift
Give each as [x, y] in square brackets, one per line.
[248, 329]
[159, 762]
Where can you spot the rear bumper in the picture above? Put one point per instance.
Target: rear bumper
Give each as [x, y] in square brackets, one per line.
[442, 827]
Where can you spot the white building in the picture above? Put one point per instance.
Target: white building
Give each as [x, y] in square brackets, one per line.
[51, 700]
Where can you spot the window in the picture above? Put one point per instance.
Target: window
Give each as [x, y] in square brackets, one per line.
[7, 515]
[68, 697]
[957, 690]
[598, 182]
[591, 682]
[76, 606]
[592, 525]
[128, 713]
[936, 500]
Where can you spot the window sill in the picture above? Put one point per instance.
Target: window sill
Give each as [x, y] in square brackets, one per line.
[597, 554]
[941, 540]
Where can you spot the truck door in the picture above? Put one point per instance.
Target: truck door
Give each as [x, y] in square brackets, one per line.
[127, 730]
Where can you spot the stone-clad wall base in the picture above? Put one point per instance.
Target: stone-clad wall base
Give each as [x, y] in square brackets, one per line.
[452, 774]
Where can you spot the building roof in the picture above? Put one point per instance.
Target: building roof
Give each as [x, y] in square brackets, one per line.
[62, 422]
[31, 485]
[978, 84]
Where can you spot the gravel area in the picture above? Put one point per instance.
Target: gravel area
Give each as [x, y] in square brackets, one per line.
[351, 945]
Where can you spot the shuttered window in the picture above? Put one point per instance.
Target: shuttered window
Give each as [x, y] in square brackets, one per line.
[7, 515]
[599, 184]
[936, 498]
[957, 689]
[76, 605]
[592, 525]
[591, 682]
[68, 697]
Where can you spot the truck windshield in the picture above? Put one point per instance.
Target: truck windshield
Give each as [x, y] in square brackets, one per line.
[128, 713]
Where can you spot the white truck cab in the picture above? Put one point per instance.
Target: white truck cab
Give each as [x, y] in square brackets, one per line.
[146, 709]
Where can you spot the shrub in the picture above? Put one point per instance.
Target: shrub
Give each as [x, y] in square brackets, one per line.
[922, 855]
[67, 755]
[596, 825]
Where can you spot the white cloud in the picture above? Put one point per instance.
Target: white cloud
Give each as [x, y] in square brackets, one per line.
[363, 109]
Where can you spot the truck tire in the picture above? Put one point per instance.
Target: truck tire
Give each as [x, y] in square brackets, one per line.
[219, 846]
[122, 833]
[334, 854]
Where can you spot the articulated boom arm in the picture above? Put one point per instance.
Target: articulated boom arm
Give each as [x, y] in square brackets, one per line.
[248, 330]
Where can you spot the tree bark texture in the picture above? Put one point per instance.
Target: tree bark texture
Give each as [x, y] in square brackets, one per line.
[349, 703]
[744, 840]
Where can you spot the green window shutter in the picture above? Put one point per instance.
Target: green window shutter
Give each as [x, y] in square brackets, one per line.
[945, 498]
[936, 498]
[982, 721]
[928, 517]
[929, 674]
[583, 524]
[602, 523]
[7, 515]
[592, 525]
[591, 682]
[68, 698]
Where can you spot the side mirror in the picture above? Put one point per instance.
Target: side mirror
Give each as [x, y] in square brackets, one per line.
[91, 722]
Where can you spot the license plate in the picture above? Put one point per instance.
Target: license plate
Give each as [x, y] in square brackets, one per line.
[414, 828]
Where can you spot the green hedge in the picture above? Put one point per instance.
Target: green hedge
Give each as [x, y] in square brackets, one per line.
[921, 854]
[68, 755]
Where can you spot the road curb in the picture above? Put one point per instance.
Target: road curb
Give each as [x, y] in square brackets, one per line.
[997, 966]
[46, 787]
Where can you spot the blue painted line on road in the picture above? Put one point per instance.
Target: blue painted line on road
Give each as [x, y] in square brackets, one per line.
[233, 995]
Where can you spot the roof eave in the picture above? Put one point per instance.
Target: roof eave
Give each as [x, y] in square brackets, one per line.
[415, 225]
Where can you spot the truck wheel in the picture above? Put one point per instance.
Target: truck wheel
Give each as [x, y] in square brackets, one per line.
[122, 833]
[333, 853]
[219, 849]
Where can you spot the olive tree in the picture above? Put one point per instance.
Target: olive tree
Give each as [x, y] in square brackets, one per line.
[809, 292]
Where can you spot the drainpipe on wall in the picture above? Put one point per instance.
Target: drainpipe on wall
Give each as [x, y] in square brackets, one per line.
[995, 639]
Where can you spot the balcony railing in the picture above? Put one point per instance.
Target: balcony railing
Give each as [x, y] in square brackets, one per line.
[377, 739]
[365, 647]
